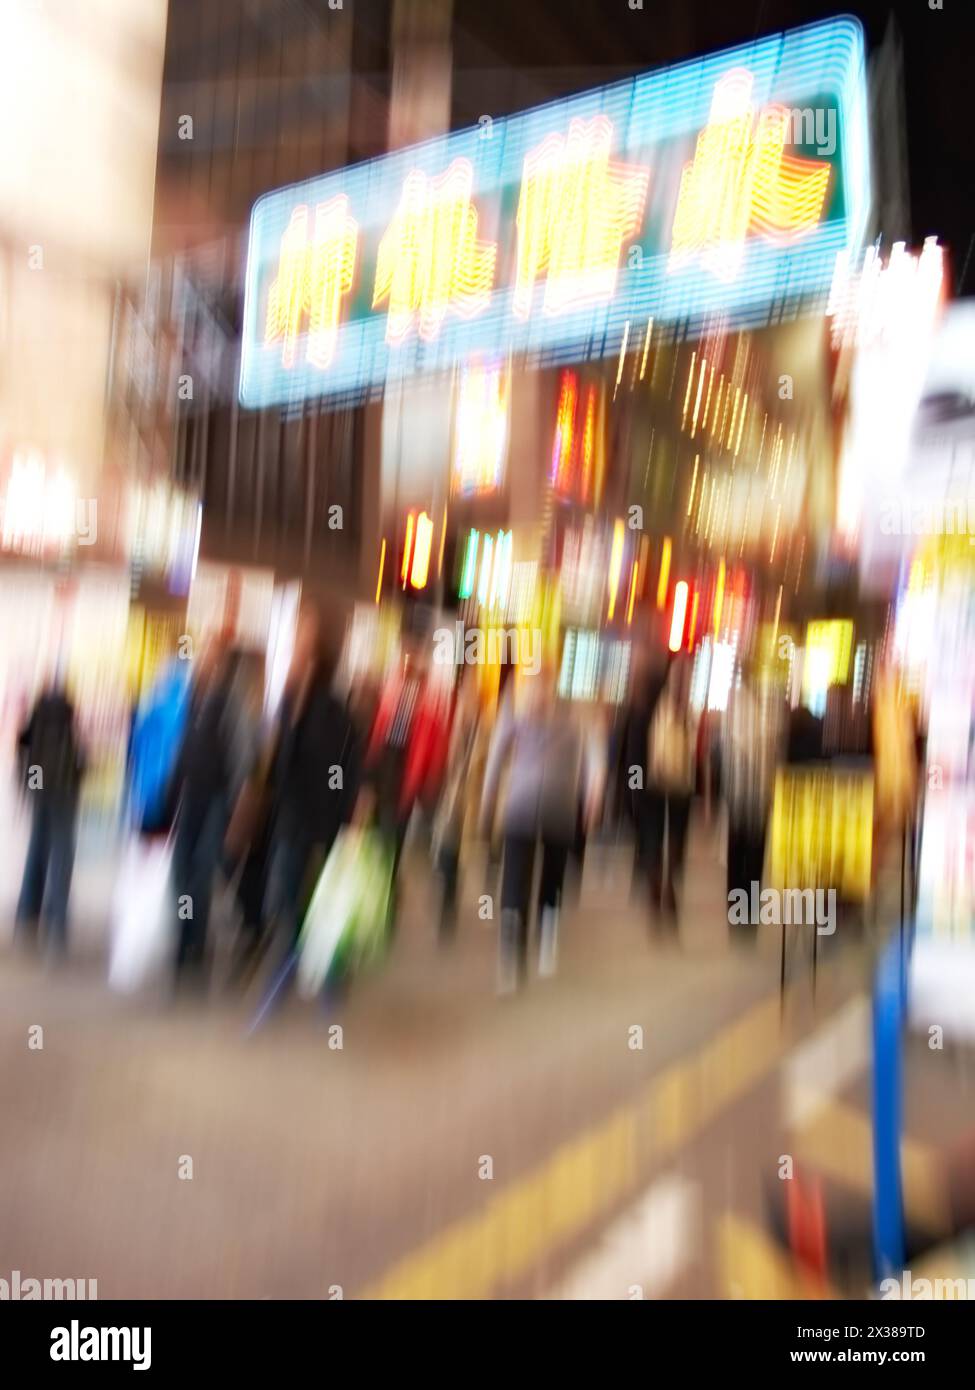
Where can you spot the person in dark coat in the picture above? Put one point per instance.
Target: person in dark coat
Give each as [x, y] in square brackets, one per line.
[315, 776]
[208, 772]
[52, 765]
[644, 805]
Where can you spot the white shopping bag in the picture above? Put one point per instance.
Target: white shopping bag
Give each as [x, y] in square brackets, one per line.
[141, 922]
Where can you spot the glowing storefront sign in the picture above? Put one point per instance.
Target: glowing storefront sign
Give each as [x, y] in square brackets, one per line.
[559, 232]
[576, 210]
[741, 180]
[313, 277]
[430, 259]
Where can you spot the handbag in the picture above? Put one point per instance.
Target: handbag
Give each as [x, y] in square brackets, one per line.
[672, 751]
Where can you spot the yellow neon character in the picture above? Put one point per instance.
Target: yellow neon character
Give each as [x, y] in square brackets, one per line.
[741, 180]
[430, 259]
[311, 280]
[577, 207]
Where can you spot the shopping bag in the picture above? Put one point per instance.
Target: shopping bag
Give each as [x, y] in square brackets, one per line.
[141, 919]
[346, 925]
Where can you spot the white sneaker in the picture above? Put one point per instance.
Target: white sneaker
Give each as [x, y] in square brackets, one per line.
[548, 946]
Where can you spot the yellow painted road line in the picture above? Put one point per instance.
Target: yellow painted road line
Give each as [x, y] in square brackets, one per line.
[588, 1176]
[643, 1251]
[839, 1143]
[751, 1265]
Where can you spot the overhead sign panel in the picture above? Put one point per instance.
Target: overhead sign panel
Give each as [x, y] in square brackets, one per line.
[727, 184]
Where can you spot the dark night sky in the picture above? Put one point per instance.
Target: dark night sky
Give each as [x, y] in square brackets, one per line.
[938, 47]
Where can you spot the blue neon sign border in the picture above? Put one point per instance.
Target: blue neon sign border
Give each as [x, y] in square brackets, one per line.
[825, 58]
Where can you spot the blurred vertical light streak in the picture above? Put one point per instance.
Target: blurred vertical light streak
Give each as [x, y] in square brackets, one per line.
[407, 550]
[692, 627]
[470, 566]
[615, 566]
[422, 546]
[679, 614]
[664, 573]
[634, 577]
[382, 566]
[719, 597]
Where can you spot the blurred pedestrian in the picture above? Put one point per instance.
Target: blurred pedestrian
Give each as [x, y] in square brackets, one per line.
[407, 749]
[649, 676]
[247, 839]
[540, 768]
[314, 778]
[157, 734]
[671, 783]
[52, 766]
[460, 800]
[752, 743]
[206, 779]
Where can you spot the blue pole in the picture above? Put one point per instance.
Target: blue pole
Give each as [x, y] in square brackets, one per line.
[888, 1202]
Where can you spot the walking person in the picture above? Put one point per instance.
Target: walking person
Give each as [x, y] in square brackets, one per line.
[52, 765]
[407, 749]
[314, 778]
[752, 746]
[636, 796]
[209, 770]
[460, 799]
[541, 752]
[672, 781]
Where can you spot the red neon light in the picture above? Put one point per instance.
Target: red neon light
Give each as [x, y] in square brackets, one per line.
[692, 626]
[575, 451]
[565, 419]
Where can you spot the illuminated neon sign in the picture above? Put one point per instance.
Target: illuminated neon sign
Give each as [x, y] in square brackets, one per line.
[741, 180]
[560, 232]
[575, 211]
[430, 259]
[313, 275]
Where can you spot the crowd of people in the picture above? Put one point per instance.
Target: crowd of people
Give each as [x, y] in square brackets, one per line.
[520, 773]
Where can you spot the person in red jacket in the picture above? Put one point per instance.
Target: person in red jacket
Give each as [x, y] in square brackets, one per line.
[407, 749]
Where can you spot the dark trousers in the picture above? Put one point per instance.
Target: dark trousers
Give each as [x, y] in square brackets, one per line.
[656, 813]
[197, 853]
[746, 855]
[448, 866]
[46, 884]
[294, 857]
[679, 817]
[517, 871]
[519, 866]
[252, 884]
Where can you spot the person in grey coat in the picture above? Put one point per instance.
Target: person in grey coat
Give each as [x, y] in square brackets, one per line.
[544, 766]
